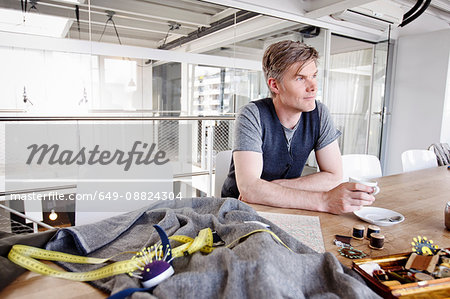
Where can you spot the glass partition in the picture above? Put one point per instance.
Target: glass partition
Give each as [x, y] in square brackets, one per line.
[167, 65]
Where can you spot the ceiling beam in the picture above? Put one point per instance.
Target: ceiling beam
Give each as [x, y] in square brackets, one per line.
[241, 52]
[112, 39]
[130, 25]
[98, 18]
[319, 8]
[154, 11]
[122, 31]
[249, 29]
[199, 6]
[223, 14]
[67, 10]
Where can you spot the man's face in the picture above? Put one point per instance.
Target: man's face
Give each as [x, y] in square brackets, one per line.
[298, 87]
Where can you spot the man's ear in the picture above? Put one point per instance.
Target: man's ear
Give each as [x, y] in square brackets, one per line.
[273, 85]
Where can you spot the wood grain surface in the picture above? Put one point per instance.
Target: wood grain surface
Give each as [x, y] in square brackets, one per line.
[420, 196]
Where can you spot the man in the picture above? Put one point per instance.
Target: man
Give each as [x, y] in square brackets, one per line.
[274, 137]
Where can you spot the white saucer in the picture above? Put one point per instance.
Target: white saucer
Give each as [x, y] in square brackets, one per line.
[373, 215]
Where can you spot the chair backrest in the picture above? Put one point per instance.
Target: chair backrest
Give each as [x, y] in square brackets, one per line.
[223, 160]
[418, 159]
[361, 166]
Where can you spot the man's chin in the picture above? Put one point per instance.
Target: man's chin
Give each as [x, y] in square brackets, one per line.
[310, 106]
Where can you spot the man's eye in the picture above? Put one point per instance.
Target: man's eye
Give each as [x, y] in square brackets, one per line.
[299, 79]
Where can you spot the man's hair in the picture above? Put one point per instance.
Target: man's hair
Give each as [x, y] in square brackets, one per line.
[279, 56]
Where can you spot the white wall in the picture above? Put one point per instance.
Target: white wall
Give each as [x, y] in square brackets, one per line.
[445, 133]
[419, 95]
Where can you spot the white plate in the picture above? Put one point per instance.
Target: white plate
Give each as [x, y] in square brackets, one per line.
[374, 215]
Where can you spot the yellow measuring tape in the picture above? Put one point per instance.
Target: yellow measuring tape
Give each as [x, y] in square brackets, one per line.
[25, 256]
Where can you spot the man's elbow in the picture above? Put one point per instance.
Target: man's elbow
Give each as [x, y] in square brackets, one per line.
[247, 189]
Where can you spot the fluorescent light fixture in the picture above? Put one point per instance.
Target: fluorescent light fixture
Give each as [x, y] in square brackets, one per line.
[35, 24]
[73, 1]
[360, 19]
[376, 15]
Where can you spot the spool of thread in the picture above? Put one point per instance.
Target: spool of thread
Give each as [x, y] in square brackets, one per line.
[358, 232]
[372, 229]
[376, 241]
[423, 276]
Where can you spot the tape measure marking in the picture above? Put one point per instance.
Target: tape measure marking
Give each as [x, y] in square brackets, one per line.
[25, 256]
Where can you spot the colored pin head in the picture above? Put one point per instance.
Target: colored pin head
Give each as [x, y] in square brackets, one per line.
[423, 246]
[154, 262]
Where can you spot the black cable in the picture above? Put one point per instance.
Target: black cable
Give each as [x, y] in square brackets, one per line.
[33, 5]
[172, 26]
[165, 39]
[104, 28]
[114, 25]
[77, 14]
[413, 9]
[117, 33]
[417, 14]
[24, 8]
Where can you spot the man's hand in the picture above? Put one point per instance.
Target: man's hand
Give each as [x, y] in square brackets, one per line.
[348, 197]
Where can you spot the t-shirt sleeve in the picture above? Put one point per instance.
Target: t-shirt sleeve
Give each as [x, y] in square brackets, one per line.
[328, 132]
[247, 130]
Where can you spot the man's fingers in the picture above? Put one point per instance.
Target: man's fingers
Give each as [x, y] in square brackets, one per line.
[361, 188]
[360, 203]
[362, 196]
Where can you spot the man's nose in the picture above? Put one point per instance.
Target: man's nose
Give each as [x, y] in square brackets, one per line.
[311, 85]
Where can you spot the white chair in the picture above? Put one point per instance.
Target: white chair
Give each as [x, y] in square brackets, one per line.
[360, 166]
[418, 159]
[223, 160]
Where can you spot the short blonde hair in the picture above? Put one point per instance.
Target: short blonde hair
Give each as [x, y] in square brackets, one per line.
[279, 56]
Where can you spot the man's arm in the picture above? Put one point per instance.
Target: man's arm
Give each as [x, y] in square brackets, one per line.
[330, 175]
[344, 198]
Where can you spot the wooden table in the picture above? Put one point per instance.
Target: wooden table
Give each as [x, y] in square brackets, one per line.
[420, 196]
[33, 285]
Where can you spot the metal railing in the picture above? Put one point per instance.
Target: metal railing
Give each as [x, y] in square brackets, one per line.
[35, 222]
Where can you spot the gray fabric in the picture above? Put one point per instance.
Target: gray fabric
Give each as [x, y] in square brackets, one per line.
[289, 133]
[442, 151]
[258, 267]
[10, 271]
[248, 130]
[328, 132]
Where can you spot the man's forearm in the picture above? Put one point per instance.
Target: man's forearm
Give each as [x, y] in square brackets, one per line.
[272, 194]
[321, 181]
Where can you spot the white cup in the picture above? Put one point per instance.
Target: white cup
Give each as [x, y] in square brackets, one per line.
[369, 183]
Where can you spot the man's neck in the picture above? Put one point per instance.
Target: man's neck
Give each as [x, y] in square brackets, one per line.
[288, 117]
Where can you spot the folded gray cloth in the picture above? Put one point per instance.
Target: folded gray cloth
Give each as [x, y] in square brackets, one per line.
[10, 271]
[442, 151]
[257, 267]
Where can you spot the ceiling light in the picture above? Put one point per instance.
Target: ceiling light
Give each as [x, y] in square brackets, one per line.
[53, 215]
[33, 23]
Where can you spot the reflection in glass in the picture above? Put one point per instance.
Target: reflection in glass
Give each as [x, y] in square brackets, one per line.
[349, 92]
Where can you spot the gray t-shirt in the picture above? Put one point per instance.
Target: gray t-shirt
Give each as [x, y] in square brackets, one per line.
[248, 130]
